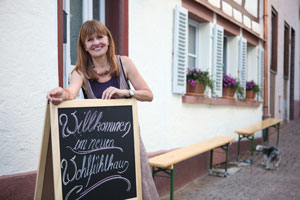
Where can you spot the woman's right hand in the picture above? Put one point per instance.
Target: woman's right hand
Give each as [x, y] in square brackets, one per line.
[56, 96]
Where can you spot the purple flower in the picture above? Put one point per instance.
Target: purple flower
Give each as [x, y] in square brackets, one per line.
[229, 81]
[250, 85]
[193, 83]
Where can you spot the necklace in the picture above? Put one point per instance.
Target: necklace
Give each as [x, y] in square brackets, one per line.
[100, 73]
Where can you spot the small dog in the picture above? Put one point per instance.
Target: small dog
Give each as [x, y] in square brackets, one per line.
[271, 156]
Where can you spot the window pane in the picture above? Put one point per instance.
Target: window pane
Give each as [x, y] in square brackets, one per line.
[96, 9]
[225, 55]
[75, 24]
[192, 62]
[192, 39]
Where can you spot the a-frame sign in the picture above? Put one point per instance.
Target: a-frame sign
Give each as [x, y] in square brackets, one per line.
[90, 150]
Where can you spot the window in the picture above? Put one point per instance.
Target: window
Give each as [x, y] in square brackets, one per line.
[292, 75]
[193, 44]
[286, 51]
[274, 37]
[75, 23]
[225, 55]
[77, 12]
[232, 58]
[252, 52]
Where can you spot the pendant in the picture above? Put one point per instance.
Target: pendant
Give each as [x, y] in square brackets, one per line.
[101, 73]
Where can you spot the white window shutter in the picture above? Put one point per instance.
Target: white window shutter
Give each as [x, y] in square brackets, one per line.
[261, 77]
[180, 50]
[217, 72]
[243, 65]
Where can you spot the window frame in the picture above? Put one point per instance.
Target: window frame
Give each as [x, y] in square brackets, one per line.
[197, 14]
[225, 55]
[286, 51]
[87, 14]
[274, 40]
[196, 55]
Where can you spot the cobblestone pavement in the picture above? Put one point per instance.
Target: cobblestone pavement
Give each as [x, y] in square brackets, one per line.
[254, 182]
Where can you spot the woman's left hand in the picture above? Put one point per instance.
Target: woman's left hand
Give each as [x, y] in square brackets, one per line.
[114, 92]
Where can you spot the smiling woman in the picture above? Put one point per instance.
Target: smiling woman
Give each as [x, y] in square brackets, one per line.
[96, 44]
[99, 71]
[104, 75]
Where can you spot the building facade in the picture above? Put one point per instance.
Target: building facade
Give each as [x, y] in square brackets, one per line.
[164, 39]
[283, 46]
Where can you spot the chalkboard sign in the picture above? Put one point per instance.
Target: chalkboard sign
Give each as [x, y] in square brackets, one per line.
[95, 145]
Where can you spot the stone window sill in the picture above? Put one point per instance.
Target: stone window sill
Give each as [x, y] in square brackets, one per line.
[188, 99]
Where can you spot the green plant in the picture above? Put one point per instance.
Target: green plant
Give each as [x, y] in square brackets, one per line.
[197, 75]
[229, 81]
[251, 85]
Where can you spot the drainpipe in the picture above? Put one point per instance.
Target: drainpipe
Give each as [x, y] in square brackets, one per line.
[266, 86]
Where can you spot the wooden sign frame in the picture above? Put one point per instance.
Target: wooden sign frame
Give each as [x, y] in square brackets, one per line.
[49, 177]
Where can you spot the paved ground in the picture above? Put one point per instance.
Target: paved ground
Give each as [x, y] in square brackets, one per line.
[254, 182]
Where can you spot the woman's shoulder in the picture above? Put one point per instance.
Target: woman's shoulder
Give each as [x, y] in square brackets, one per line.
[125, 59]
[77, 73]
[127, 62]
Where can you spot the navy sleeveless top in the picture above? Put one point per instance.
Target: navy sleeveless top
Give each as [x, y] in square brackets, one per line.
[99, 88]
[95, 89]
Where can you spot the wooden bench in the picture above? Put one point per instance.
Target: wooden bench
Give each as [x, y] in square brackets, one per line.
[165, 162]
[248, 133]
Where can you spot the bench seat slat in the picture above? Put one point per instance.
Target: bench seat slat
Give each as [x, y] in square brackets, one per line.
[250, 130]
[168, 159]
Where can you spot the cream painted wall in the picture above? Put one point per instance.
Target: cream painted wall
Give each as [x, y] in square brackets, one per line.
[166, 122]
[252, 7]
[288, 11]
[28, 32]
[150, 47]
[28, 54]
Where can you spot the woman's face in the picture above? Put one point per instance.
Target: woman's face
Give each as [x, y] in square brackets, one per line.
[96, 45]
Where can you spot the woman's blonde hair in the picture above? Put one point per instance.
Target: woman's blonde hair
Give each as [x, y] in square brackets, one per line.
[84, 60]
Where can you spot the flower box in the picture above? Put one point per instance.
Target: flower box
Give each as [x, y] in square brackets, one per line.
[197, 80]
[228, 93]
[251, 90]
[250, 95]
[197, 90]
[230, 87]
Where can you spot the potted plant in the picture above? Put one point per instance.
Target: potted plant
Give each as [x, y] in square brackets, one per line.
[230, 87]
[251, 90]
[197, 80]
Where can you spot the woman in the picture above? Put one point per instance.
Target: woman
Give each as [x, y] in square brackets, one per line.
[104, 75]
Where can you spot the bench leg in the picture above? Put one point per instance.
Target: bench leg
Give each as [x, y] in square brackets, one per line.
[211, 161]
[252, 149]
[226, 149]
[172, 184]
[169, 172]
[251, 138]
[277, 129]
[226, 166]
[238, 158]
[266, 135]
